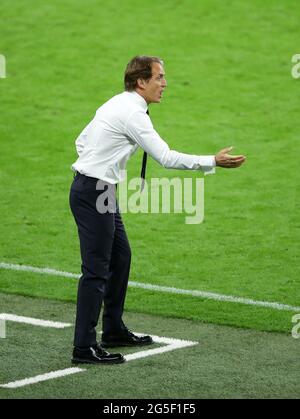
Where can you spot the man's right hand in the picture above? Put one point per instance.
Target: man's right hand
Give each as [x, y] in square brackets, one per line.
[223, 159]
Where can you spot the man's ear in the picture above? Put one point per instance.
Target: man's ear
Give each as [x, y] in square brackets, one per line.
[141, 83]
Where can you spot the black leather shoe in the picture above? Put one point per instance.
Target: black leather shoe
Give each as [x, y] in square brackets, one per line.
[125, 338]
[95, 355]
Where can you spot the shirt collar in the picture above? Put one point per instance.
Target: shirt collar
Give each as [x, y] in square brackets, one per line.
[139, 99]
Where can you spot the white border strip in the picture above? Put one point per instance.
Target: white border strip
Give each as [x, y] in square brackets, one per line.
[34, 322]
[158, 288]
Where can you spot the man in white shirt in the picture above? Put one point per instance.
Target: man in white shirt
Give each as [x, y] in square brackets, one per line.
[119, 127]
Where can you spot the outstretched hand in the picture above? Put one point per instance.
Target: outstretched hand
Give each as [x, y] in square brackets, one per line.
[223, 159]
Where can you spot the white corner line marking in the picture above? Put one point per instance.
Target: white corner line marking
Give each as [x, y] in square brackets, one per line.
[177, 344]
[33, 322]
[171, 345]
[41, 378]
[194, 293]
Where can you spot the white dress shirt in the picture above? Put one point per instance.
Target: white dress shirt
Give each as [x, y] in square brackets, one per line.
[119, 127]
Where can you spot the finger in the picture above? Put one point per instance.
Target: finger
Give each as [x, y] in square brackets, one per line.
[226, 150]
[233, 164]
[238, 161]
[238, 164]
[236, 155]
[235, 158]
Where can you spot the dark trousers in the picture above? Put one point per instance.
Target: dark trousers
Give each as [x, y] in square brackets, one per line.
[106, 256]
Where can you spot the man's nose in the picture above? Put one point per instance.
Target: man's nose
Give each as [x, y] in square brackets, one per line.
[164, 83]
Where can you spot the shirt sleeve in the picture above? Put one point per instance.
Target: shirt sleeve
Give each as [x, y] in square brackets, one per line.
[81, 140]
[140, 129]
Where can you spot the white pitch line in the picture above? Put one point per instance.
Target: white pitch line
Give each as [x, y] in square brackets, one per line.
[34, 322]
[216, 297]
[41, 378]
[158, 288]
[171, 345]
[47, 271]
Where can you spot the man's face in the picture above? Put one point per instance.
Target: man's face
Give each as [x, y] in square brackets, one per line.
[152, 89]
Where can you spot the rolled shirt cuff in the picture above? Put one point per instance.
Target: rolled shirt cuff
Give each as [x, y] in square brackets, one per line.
[207, 165]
